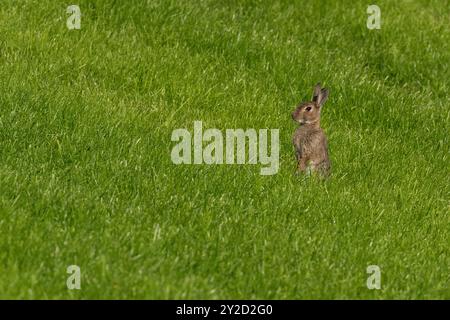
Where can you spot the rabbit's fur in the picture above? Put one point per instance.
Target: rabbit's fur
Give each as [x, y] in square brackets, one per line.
[310, 142]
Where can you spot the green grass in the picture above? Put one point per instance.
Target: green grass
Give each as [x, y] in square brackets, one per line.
[86, 176]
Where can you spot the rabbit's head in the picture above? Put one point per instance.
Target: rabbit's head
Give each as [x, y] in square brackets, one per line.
[309, 112]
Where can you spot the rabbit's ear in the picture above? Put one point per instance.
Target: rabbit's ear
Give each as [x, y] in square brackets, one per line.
[316, 94]
[323, 96]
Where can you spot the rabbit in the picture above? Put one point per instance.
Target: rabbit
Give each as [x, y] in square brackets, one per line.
[310, 142]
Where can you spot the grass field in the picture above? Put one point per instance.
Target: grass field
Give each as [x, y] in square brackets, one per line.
[86, 176]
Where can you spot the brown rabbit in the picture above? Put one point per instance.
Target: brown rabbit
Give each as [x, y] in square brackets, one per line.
[310, 142]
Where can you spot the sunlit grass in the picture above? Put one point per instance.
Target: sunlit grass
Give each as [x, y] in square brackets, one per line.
[86, 176]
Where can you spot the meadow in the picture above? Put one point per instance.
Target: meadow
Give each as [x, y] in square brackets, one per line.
[86, 177]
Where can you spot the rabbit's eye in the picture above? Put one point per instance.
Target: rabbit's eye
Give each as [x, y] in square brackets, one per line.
[308, 109]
